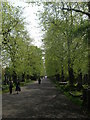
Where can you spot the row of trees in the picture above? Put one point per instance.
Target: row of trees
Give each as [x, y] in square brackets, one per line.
[19, 57]
[67, 41]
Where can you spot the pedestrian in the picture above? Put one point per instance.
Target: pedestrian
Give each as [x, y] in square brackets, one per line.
[18, 87]
[10, 86]
[39, 80]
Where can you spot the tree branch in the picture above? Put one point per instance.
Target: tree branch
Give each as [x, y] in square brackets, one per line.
[76, 10]
[9, 30]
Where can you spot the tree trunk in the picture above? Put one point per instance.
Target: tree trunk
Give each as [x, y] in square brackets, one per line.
[79, 86]
[62, 74]
[71, 76]
[70, 69]
[23, 77]
[14, 77]
[89, 44]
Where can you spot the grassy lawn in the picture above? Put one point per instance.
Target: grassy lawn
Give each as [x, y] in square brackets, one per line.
[66, 90]
[76, 93]
[76, 100]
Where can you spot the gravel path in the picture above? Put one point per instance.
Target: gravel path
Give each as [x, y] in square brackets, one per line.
[39, 101]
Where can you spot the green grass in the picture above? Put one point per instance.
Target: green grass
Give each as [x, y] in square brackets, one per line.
[66, 90]
[7, 89]
[85, 86]
[0, 91]
[77, 93]
[75, 100]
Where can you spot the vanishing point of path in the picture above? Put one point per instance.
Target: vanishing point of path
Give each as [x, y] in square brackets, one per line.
[39, 101]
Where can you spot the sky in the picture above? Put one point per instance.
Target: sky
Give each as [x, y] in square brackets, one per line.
[33, 23]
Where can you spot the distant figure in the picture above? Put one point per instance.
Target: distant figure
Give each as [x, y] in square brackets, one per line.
[45, 77]
[18, 86]
[39, 80]
[10, 86]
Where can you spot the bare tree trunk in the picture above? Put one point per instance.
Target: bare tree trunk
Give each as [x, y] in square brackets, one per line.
[88, 45]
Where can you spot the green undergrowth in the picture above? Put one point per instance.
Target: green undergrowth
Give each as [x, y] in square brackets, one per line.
[0, 91]
[76, 98]
[77, 93]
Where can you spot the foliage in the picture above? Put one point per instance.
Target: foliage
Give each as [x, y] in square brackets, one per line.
[18, 55]
[65, 39]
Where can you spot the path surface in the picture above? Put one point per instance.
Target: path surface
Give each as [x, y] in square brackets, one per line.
[39, 101]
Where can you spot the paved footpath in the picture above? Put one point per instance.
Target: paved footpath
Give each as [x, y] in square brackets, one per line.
[39, 101]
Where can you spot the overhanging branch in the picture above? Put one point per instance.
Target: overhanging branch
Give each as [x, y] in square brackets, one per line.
[76, 10]
[9, 30]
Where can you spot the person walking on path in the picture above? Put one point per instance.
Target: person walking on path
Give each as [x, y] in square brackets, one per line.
[39, 80]
[10, 86]
[18, 86]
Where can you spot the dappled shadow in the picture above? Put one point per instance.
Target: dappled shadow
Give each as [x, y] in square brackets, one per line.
[40, 101]
[40, 86]
[45, 84]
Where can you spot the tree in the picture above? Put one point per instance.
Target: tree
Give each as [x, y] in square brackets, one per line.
[18, 54]
[87, 13]
[71, 28]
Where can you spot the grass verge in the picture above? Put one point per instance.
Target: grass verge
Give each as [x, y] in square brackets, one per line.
[66, 90]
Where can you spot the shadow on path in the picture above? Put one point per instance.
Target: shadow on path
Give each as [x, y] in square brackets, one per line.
[39, 101]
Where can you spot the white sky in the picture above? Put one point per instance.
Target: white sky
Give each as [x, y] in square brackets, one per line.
[33, 25]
